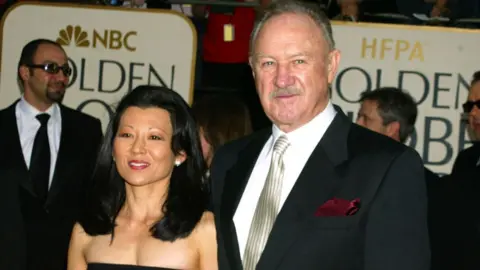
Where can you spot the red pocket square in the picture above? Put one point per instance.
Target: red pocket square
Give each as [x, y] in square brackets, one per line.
[338, 207]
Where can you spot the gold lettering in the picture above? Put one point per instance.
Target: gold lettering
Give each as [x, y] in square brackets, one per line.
[417, 52]
[385, 47]
[371, 47]
[115, 40]
[389, 48]
[400, 47]
[126, 42]
[102, 40]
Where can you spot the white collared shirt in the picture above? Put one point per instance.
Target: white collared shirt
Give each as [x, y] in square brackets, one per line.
[28, 126]
[302, 143]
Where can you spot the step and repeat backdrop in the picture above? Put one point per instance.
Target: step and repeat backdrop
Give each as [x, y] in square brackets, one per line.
[434, 64]
[112, 50]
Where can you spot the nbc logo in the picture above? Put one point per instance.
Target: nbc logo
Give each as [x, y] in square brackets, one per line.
[109, 39]
[76, 34]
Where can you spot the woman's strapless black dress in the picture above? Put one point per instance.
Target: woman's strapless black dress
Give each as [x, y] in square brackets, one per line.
[109, 266]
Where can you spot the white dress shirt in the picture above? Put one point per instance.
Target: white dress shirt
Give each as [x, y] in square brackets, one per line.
[28, 126]
[302, 143]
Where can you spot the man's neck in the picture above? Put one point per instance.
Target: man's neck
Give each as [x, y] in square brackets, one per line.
[40, 106]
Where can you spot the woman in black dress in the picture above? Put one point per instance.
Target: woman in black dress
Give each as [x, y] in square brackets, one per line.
[147, 207]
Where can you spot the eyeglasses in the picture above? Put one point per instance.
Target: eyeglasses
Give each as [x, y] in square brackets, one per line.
[468, 106]
[53, 68]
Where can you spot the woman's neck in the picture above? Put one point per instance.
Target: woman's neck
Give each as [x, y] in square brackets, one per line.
[144, 204]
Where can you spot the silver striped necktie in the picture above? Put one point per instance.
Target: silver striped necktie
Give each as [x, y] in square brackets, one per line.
[267, 207]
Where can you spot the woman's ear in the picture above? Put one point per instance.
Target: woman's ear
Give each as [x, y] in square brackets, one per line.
[180, 158]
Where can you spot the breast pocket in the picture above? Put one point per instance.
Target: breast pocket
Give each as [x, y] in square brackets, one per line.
[334, 222]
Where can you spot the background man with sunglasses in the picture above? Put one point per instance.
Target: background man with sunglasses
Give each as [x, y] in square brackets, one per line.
[465, 186]
[48, 152]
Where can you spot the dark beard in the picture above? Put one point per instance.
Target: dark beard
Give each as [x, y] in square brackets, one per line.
[55, 96]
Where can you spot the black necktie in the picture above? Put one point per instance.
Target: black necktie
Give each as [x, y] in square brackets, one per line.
[40, 160]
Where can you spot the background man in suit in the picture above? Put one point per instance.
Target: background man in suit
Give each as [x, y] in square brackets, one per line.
[48, 153]
[393, 113]
[465, 186]
[315, 191]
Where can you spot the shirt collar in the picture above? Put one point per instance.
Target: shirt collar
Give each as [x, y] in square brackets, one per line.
[32, 112]
[306, 131]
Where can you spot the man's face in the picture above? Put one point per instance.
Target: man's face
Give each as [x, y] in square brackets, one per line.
[368, 117]
[474, 115]
[292, 67]
[42, 86]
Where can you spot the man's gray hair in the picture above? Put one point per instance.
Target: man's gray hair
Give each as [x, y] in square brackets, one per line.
[394, 105]
[311, 10]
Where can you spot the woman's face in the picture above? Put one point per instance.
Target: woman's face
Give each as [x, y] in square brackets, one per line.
[206, 148]
[142, 146]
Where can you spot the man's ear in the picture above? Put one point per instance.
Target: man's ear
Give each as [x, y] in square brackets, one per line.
[251, 62]
[393, 130]
[333, 64]
[24, 73]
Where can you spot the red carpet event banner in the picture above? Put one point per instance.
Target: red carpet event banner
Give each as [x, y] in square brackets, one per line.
[111, 50]
[435, 65]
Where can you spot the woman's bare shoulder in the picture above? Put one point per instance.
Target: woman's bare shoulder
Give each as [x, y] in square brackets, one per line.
[77, 248]
[207, 242]
[206, 225]
[80, 236]
[208, 218]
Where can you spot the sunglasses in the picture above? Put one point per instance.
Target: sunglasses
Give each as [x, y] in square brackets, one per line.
[53, 68]
[468, 106]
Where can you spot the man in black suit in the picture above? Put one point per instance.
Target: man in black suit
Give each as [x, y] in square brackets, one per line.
[465, 187]
[393, 113]
[315, 191]
[48, 154]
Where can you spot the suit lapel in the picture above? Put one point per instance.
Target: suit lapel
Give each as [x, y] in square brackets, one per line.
[67, 138]
[12, 146]
[235, 182]
[318, 181]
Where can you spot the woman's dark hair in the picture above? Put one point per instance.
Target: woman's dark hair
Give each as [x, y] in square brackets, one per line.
[187, 195]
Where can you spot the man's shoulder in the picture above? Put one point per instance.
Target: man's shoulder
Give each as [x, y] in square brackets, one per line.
[466, 159]
[8, 109]
[75, 115]
[7, 112]
[4, 112]
[362, 140]
[376, 154]
[473, 150]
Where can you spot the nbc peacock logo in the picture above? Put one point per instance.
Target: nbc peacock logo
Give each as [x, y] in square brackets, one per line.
[73, 34]
[110, 39]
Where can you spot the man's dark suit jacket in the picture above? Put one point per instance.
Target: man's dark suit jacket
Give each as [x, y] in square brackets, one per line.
[438, 229]
[388, 232]
[32, 235]
[464, 210]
